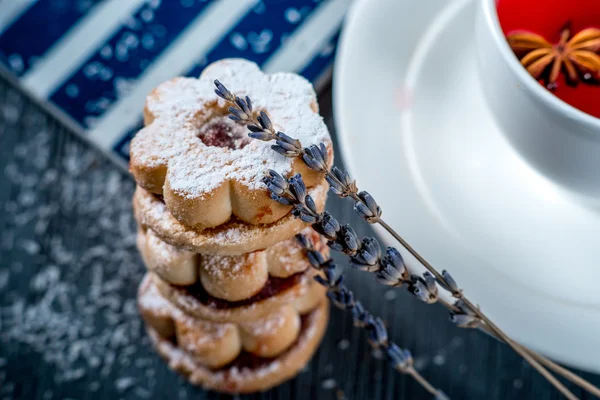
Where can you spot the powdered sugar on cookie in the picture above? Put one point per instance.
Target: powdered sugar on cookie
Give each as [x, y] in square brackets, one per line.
[150, 299]
[179, 108]
[240, 378]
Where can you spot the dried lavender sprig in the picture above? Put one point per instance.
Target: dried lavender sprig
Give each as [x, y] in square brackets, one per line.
[391, 271]
[365, 254]
[343, 298]
[366, 207]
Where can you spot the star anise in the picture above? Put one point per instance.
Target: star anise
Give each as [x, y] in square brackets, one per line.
[577, 56]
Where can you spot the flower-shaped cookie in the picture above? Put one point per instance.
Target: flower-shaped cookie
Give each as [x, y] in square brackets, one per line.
[203, 163]
[233, 357]
[303, 293]
[215, 344]
[232, 238]
[231, 278]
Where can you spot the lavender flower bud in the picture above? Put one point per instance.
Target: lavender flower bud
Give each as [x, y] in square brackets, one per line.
[310, 204]
[254, 128]
[336, 299]
[285, 149]
[297, 188]
[463, 316]
[335, 186]
[321, 280]
[342, 298]
[390, 276]
[378, 333]
[340, 182]
[300, 211]
[335, 246]
[394, 259]
[393, 272]
[462, 307]
[237, 115]
[401, 359]
[287, 139]
[362, 320]
[276, 183]
[338, 280]
[222, 91]
[235, 118]
[264, 121]
[367, 209]
[316, 259]
[274, 177]
[315, 157]
[282, 200]
[464, 320]
[341, 175]
[304, 241]
[367, 257]
[290, 147]
[327, 226]
[329, 277]
[359, 315]
[260, 135]
[346, 241]
[350, 238]
[425, 288]
[275, 189]
[430, 282]
[335, 280]
[450, 283]
[243, 106]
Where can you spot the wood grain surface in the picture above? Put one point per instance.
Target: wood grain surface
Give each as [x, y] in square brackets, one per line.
[69, 270]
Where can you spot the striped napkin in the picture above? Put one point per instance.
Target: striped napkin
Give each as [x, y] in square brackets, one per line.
[92, 62]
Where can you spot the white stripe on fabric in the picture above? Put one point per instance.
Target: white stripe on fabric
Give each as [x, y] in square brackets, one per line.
[63, 59]
[306, 42]
[11, 10]
[198, 38]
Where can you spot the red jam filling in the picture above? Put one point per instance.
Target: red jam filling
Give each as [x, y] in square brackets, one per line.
[223, 132]
[273, 287]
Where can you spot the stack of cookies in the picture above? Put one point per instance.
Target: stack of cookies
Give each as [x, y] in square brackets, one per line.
[229, 299]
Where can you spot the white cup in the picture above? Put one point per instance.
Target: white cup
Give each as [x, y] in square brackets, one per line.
[558, 140]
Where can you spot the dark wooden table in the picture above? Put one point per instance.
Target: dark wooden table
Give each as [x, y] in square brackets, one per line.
[69, 270]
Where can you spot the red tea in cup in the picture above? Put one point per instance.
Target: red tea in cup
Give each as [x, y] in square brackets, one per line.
[555, 20]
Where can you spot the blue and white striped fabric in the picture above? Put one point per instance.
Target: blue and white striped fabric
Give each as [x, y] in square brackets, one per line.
[93, 61]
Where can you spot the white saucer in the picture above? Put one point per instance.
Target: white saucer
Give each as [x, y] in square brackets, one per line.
[416, 133]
